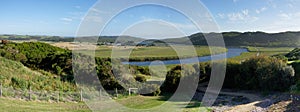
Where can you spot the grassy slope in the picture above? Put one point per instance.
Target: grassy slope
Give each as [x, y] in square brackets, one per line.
[14, 69]
[136, 102]
[39, 80]
[9, 105]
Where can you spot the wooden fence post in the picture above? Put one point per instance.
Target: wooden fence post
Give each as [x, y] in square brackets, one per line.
[117, 92]
[1, 90]
[81, 98]
[29, 92]
[100, 93]
[57, 97]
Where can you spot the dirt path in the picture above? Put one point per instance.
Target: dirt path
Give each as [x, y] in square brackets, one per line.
[257, 102]
[252, 97]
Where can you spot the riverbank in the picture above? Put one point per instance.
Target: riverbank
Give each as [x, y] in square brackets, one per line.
[231, 52]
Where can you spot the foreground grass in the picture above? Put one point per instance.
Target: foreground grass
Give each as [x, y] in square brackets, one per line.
[141, 102]
[11, 105]
[148, 102]
[12, 72]
[133, 102]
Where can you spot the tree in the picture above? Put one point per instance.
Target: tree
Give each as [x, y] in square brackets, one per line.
[265, 73]
[173, 77]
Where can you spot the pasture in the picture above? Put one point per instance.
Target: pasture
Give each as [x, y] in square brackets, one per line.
[153, 53]
[261, 51]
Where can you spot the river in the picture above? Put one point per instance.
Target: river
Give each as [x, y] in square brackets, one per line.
[232, 52]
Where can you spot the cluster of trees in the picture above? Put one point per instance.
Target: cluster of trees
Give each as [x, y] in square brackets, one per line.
[42, 56]
[257, 73]
[293, 55]
[260, 73]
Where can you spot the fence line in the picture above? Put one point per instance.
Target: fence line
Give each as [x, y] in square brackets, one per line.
[59, 96]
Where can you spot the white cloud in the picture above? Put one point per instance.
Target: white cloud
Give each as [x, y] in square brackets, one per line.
[243, 15]
[285, 22]
[245, 12]
[289, 16]
[158, 29]
[96, 19]
[221, 15]
[258, 11]
[290, 5]
[285, 16]
[77, 7]
[97, 11]
[66, 19]
[76, 15]
[272, 3]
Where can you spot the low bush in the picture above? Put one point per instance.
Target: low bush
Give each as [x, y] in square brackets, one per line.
[140, 78]
[265, 73]
[150, 90]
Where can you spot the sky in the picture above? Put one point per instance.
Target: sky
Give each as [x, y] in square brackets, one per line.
[63, 17]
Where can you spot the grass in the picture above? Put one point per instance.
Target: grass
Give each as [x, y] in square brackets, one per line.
[141, 102]
[153, 53]
[38, 80]
[148, 102]
[270, 49]
[266, 51]
[11, 105]
[133, 102]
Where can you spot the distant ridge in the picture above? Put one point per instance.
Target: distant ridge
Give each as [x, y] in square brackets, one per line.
[282, 39]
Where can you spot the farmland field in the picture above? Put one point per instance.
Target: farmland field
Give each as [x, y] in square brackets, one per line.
[153, 53]
[264, 51]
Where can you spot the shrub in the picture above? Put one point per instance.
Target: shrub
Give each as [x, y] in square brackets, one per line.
[173, 77]
[232, 75]
[150, 90]
[265, 73]
[296, 66]
[19, 83]
[140, 78]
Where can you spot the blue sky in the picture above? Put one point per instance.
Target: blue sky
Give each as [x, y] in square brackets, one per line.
[63, 17]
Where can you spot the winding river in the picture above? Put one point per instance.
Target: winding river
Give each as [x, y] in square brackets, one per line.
[232, 52]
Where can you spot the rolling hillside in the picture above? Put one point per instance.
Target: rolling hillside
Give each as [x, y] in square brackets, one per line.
[15, 74]
[284, 39]
[262, 39]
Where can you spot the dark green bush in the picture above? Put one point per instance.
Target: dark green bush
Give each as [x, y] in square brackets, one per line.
[296, 66]
[19, 83]
[173, 77]
[140, 78]
[232, 75]
[265, 73]
[150, 90]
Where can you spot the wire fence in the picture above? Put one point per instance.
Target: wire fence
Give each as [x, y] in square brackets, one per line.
[60, 96]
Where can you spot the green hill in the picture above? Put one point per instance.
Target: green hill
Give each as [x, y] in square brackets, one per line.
[262, 39]
[284, 39]
[15, 74]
